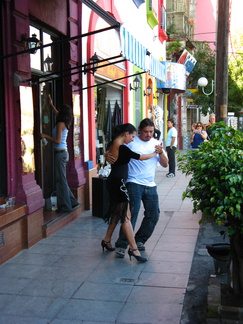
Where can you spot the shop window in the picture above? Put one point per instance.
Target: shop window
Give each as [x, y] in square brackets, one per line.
[45, 59]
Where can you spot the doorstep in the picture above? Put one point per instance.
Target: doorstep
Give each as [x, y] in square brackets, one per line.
[53, 221]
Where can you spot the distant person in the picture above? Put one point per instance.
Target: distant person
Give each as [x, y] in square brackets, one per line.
[119, 209]
[199, 135]
[171, 144]
[212, 120]
[193, 128]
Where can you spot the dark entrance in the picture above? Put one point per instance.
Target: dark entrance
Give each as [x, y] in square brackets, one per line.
[44, 123]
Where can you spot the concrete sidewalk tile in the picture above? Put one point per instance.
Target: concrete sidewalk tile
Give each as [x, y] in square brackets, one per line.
[181, 231]
[101, 291]
[90, 310]
[5, 319]
[187, 224]
[137, 313]
[129, 277]
[177, 256]
[169, 280]
[11, 270]
[182, 267]
[57, 321]
[13, 285]
[29, 306]
[174, 246]
[156, 295]
[39, 259]
[178, 238]
[51, 288]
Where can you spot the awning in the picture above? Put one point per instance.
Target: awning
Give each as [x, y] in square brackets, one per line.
[139, 55]
[132, 50]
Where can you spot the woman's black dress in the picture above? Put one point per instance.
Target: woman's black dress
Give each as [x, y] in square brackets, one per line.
[118, 193]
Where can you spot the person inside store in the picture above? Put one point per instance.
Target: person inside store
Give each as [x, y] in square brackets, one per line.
[171, 144]
[119, 209]
[141, 186]
[199, 135]
[65, 198]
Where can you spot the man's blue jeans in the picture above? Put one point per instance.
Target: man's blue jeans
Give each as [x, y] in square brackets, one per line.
[149, 197]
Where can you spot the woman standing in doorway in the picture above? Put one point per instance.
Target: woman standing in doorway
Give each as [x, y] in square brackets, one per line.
[65, 198]
[119, 199]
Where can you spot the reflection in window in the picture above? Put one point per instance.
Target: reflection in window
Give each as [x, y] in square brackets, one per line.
[27, 126]
[35, 59]
[43, 55]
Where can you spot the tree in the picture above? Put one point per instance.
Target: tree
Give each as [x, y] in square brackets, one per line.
[236, 74]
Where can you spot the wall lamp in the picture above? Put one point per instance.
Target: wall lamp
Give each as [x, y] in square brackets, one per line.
[94, 60]
[48, 62]
[31, 42]
[203, 82]
[149, 90]
[136, 83]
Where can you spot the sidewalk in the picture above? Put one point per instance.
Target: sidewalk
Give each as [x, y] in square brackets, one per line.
[67, 279]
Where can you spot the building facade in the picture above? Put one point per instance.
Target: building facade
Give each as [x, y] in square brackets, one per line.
[108, 63]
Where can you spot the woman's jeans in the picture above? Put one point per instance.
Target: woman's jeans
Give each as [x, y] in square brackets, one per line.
[149, 197]
[65, 198]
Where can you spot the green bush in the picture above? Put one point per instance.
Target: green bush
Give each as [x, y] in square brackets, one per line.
[216, 188]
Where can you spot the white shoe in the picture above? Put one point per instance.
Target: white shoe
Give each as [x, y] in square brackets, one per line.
[120, 252]
[170, 175]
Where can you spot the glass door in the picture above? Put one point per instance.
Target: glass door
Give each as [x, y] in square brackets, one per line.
[44, 155]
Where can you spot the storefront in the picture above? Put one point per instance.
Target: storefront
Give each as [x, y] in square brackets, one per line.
[35, 60]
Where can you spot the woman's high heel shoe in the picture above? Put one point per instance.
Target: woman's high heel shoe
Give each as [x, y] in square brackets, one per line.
[107, 245]
[138, 257]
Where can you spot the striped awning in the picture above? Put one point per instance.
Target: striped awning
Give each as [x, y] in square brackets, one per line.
[139, 55]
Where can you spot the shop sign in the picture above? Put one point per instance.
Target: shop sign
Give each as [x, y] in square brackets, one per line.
[112, 72]
[175, 76]
[188, 60]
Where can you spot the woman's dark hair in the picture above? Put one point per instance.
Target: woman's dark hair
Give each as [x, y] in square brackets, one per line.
[65, 115]
[123, 128]
[145, 122]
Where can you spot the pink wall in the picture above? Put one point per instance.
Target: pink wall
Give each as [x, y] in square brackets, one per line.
[205, 29]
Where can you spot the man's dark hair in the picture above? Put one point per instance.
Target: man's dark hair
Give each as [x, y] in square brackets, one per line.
[171, 120]
[144, 123]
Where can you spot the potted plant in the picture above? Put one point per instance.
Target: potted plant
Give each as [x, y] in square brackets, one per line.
[216, 188]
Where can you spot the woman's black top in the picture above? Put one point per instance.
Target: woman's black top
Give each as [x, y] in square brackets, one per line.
[120, 168]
